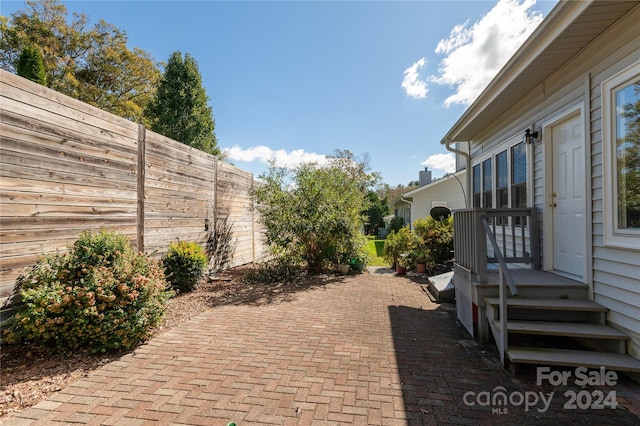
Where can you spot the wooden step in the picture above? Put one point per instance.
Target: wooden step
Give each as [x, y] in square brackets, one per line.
[548, 304]
[573, 358]
[569, 329]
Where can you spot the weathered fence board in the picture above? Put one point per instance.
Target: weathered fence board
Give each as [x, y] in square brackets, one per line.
[67, 167]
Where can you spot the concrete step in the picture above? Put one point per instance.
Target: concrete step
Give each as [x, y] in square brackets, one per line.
[573, 358]
[581, 305]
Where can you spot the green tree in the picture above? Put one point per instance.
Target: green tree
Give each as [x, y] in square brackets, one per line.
[179, 109]
[378, 209]
[392, 194]
[30, 65]
[313, 214]
[90, 63]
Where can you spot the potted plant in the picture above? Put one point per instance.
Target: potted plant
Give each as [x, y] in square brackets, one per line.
[398, 244]
[419, 255]
[343, 268]
[404, 261]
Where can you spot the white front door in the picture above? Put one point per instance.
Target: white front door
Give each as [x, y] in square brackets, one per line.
[568, 197]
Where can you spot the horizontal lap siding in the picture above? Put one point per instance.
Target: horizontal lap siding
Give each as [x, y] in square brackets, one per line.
[448, 189]
[67, 167]
[616, 271]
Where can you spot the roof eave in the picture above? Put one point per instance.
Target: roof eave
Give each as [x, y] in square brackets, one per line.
[558, 20]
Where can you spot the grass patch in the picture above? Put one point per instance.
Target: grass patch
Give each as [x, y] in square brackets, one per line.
[376, 251]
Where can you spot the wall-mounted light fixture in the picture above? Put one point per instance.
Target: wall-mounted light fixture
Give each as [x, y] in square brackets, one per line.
[530, 137]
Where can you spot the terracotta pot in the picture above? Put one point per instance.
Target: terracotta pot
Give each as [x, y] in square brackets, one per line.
[401, 270]
[343, 269]
[422, 268]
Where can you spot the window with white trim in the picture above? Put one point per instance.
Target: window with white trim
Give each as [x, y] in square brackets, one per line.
[476, 185]
[504, 174]
[621, 148]
[502, 180]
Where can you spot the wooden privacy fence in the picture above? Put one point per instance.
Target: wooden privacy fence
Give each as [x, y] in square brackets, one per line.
[67, 167]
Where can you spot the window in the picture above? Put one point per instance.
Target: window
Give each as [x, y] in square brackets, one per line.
[509, 181]
[519, 175]
[621, 156]
[502, 181]
[627, 125]
[476, 185]
[486, 184]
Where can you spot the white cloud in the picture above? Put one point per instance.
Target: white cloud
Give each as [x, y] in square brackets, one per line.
[265, 154]
[446, 162]
[412, 84]
[475, 53]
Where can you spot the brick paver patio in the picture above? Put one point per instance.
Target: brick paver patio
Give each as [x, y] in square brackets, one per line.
[370, 349]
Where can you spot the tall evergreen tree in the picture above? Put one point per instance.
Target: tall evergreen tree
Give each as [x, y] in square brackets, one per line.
[179, 109]
[31, 66]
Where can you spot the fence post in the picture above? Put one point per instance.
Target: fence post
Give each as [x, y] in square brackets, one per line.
[215, 195]
[142, 134]
[253, 224]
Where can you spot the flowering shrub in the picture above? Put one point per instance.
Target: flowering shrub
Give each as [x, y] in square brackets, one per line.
[184, 265]
[101, 294]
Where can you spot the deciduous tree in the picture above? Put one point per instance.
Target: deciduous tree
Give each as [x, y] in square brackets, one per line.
[90, 63]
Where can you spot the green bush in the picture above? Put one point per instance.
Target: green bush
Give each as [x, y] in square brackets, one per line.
[396, 224]
[397, 243]
[314, 213]
[184, 265]
[436, 239]
[101, 295]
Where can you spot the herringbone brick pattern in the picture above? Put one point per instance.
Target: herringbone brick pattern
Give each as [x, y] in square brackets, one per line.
[371, 349]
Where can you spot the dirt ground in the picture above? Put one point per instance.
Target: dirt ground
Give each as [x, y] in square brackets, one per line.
[29, 374]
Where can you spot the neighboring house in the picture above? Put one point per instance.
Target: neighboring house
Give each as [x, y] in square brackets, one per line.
[402, 209]
[448, 191]
[554, 142]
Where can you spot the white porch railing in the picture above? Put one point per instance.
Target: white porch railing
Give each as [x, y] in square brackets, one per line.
[508, 243]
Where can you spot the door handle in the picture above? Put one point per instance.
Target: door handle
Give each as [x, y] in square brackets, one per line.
[553, 204]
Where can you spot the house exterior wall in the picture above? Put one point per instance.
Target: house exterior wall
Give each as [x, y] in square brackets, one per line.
[612, 272]
[616, 270]
[447, 191]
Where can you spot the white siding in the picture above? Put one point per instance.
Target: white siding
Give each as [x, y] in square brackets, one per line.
[616, 271]
[447, 190]
[613, 273]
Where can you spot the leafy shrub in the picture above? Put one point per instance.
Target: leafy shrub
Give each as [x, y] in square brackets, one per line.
[314, 212]
[436, 238]
[396, 224]
[397, 243]
[101, 294]
[184, 265]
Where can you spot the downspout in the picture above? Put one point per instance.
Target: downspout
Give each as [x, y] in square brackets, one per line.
[467, 156]
[410, 211]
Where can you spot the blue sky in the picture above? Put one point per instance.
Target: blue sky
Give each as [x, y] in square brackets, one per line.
[296, 80]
